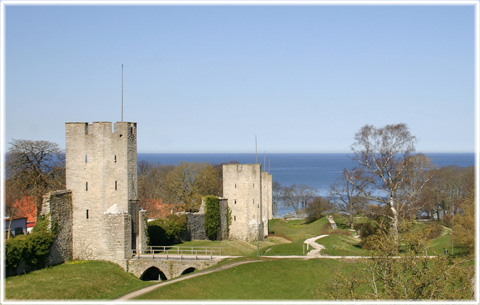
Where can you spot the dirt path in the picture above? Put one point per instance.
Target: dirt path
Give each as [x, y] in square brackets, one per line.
[139, 292]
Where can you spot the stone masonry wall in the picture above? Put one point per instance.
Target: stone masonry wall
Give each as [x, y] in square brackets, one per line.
[267, 208]
[58, 206]
[196, 226]
[117, 234]
[223, 234]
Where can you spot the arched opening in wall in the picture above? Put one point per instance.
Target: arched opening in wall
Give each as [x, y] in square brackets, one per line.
[188, 270]
[153, 274]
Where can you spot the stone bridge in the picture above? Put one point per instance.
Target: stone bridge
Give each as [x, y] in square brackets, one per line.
[161, 268]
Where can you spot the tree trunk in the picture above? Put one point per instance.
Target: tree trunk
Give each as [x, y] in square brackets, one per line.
[9, 227]
[394, 221]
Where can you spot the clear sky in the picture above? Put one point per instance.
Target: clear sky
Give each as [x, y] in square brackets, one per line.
[208, 78]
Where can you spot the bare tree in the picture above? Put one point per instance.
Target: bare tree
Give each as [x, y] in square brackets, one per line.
[347, 195]
[39, 166]
[297, 197]
[419, 172]
[382, 155]
[277, 192]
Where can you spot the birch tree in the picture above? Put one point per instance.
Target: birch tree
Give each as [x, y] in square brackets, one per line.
[382, 155]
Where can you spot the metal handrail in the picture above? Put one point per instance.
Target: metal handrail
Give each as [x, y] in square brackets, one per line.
[172, 250]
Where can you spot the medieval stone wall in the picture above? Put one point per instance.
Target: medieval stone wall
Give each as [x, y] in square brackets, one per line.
[58, 207]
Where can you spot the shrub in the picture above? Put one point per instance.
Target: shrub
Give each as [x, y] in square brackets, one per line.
[365, 230]
[32, 249]
[14, 249]
[212, 217]
[317, 208]
[435, 230]
[165, 232]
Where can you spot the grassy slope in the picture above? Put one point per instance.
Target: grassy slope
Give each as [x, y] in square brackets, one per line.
[237, 247]
[299, 229]
[342, 245]
[77, 280]
[280, 280]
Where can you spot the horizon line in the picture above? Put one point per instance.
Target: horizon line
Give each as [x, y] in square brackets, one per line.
[293, 152]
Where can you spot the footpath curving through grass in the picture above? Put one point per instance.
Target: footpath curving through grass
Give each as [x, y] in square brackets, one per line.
[272, 279]
[75, 280]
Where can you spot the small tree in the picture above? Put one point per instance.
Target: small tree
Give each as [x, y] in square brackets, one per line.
[347, 197]
[317, 208]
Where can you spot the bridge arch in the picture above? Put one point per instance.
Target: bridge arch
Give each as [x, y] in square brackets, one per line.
[188, 270]
[153, 274]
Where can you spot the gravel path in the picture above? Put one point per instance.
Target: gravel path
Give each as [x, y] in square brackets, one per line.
[316, 247]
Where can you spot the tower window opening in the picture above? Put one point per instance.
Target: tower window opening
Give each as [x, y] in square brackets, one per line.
[115, 185]
[235, 201]
[254, 185]
[85, 158]
[86, 186]
[235, 218]
[235, 185]
[86, 214]
[115, 159]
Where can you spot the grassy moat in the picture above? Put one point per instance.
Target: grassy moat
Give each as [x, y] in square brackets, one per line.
[271, 278]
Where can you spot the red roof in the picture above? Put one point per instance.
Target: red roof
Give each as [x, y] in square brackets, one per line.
[26, 207]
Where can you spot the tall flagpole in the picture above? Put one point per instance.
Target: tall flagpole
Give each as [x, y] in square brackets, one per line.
[256, 152]
[122, 92]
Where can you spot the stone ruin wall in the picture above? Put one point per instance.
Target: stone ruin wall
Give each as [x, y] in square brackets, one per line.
[57, 206]
[196, 223]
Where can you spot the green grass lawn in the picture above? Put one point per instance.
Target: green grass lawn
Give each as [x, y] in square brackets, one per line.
[438, 245]
[76, 280]
[274, 280]
[342, 245]
[237, 247]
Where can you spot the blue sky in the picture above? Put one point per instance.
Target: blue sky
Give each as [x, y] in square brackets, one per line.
[208, 78]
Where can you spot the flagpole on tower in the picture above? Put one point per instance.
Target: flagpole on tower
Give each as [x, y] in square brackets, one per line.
[122, 92]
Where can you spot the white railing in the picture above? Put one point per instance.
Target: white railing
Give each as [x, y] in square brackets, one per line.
[175, 252]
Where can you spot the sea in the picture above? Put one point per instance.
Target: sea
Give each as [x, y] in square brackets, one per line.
[317, 170]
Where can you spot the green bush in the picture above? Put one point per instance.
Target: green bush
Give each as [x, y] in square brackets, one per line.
[32, 249]
[14, 249]
[165, 232]
[212, 216]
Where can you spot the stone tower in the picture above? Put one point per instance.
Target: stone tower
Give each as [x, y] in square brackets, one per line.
[101, 172]
[249, 194]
